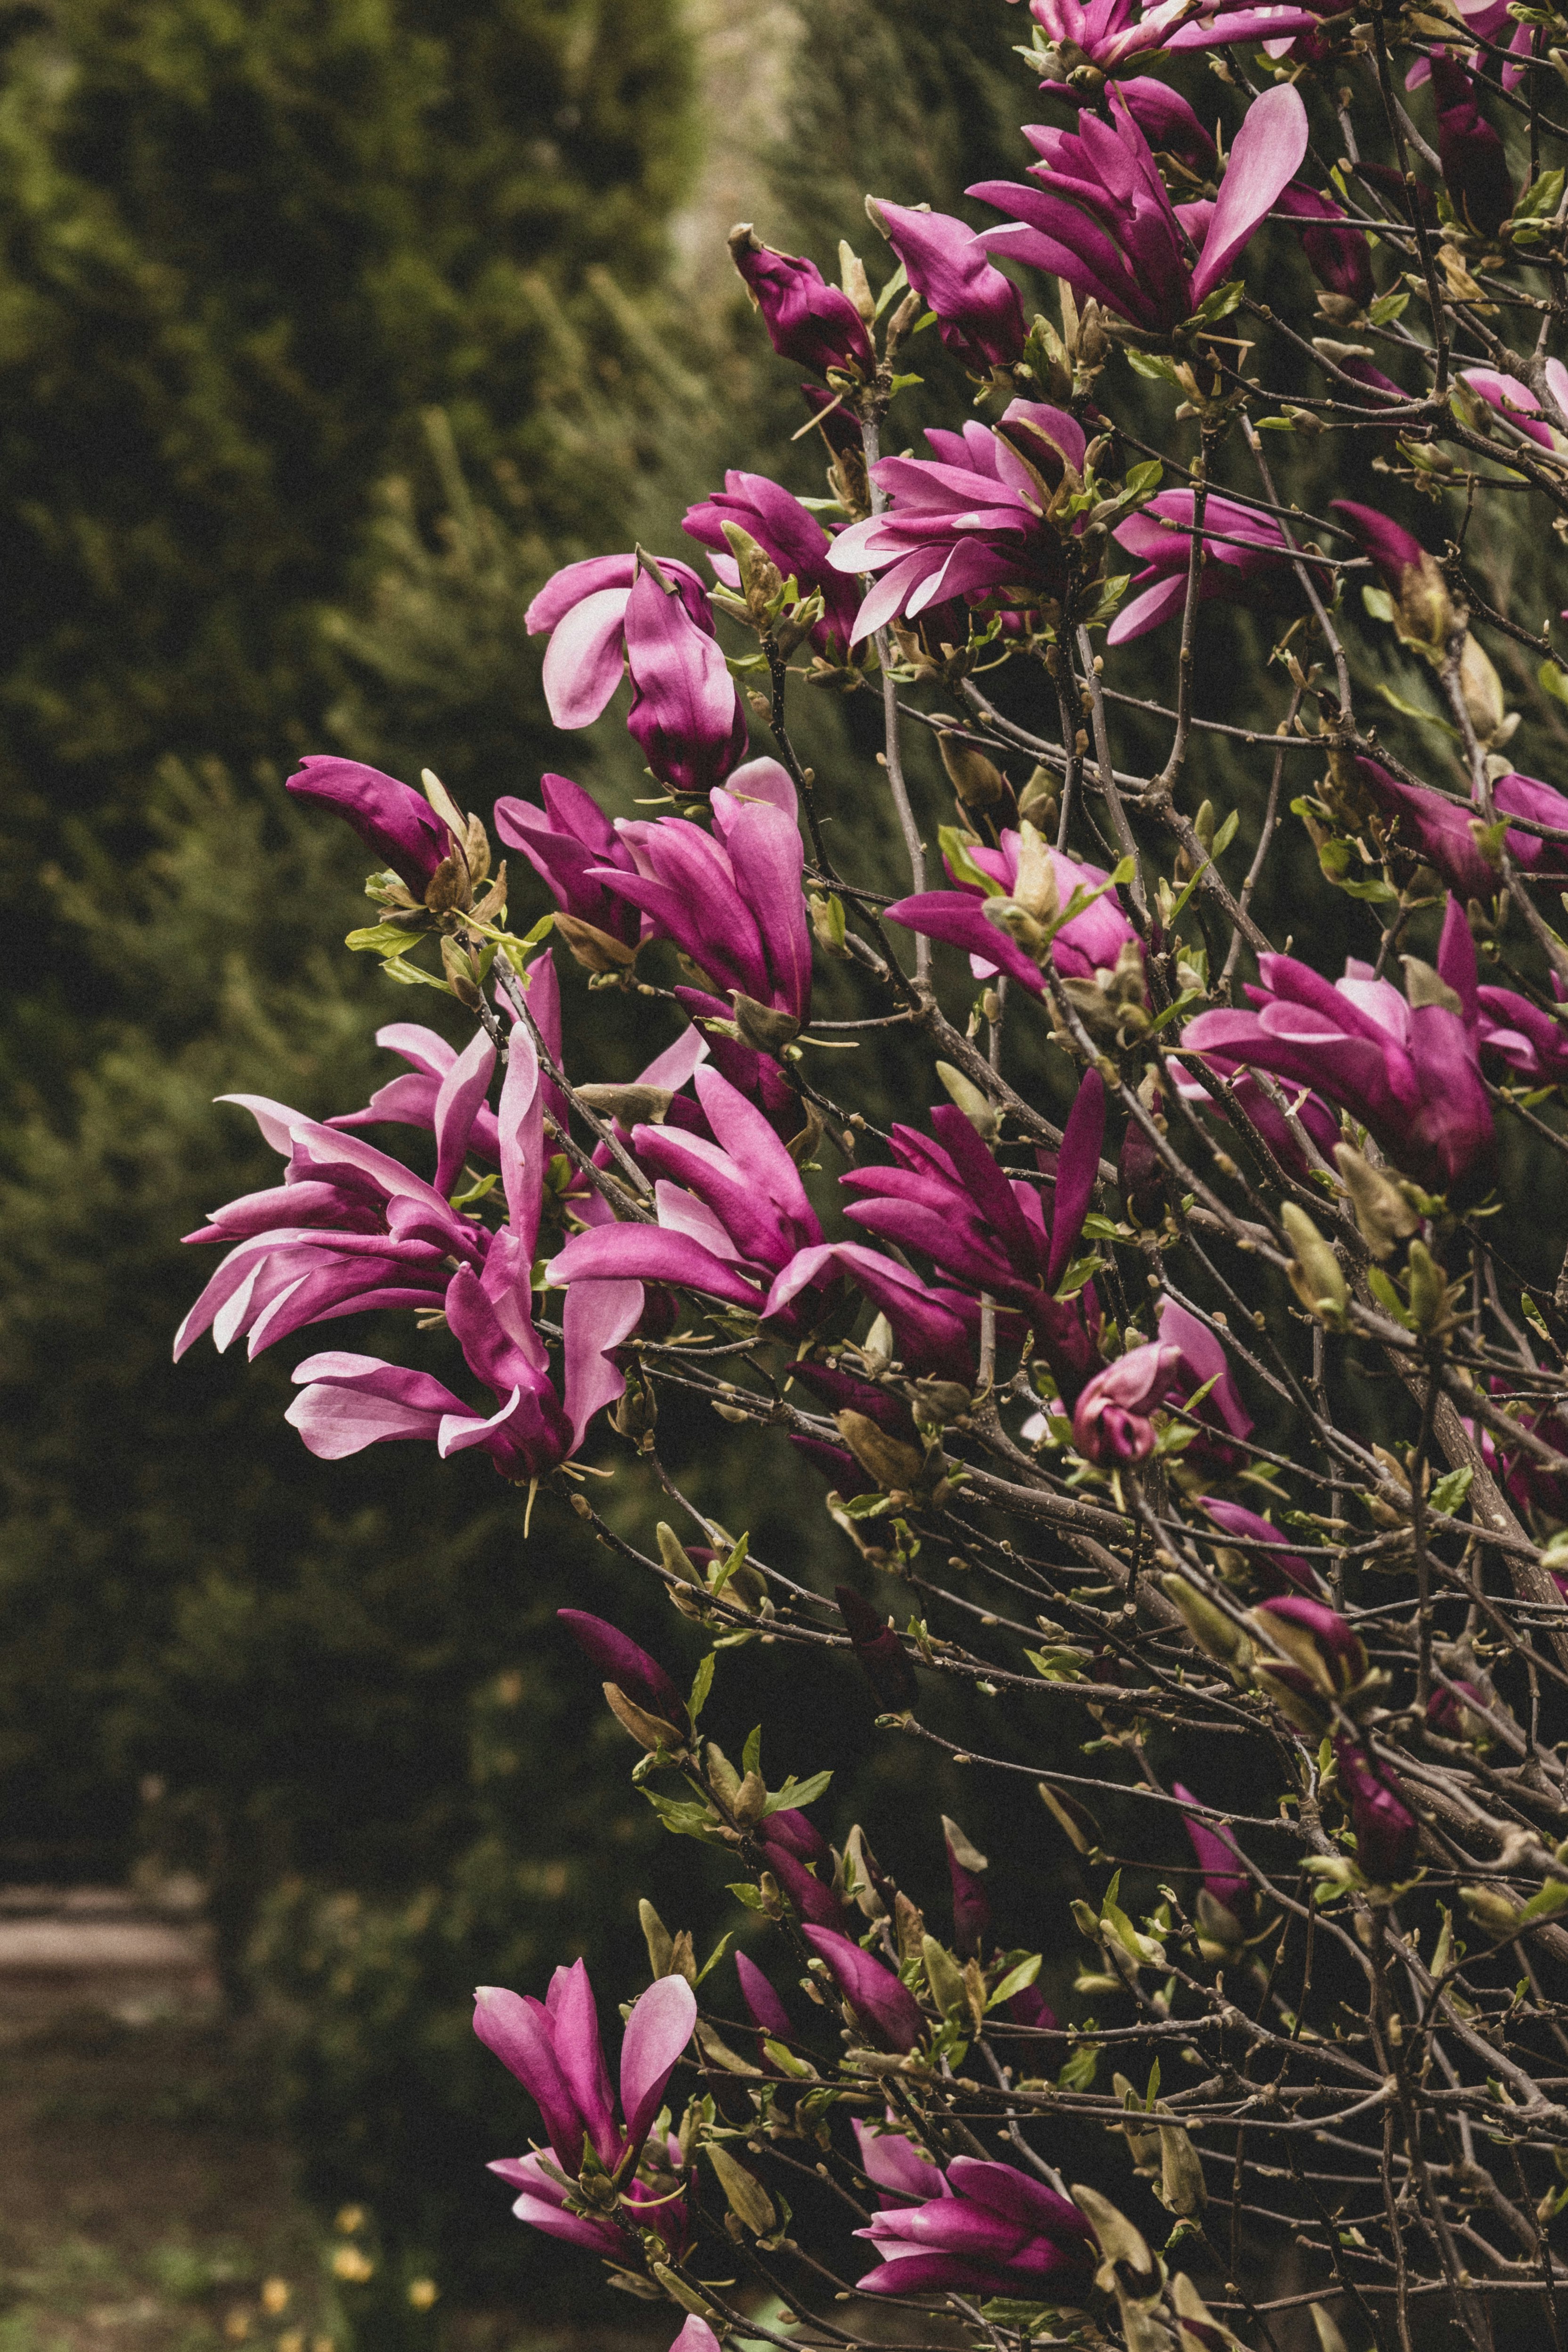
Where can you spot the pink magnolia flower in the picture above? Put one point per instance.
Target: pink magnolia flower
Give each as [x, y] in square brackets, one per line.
[979, 312]
[583, 607]
[988, 2229]
[970, 522]
[1110, 34]
[1337, 254]
[990, 1233]
[1387, 1833]
[1112, 1423]
[1225, 1879]
[1091, 942]
[789, 533]
[395, 821]
[1101, 219]
[1266, 1555]
[808, 322]
[1516, 402]
[1407, 1067]
[685, 713]
[1223, 1423]
[1524, 1036]
[886, 2011]
[563, 842]
[1168, 124]
[552, 2046]
[1444, 831]
[1258, 572]
[622, 1661]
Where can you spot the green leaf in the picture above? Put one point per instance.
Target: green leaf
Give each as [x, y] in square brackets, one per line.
[1081, 2068]
[1157, 367]
[1017, 1980]
[1451, 1491]
[380, 939]
[715, 1956]
[701, 1683]
[398, 968]
[1225, 835]
[1541, 199]
[897, 284]
[786, 2061]
[1552, 681]
[1378, 601]
[956, 848]
[1387, 1297]
[751, 1754]
[1408, 709]
[1058, 1666]
[737, 1559]
[1387, 308]
[798, 1792]
[684, 1816]
[1143, 479]
[1219, 304]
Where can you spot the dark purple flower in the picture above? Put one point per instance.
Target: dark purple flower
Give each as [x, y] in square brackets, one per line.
[886, 2010]
[766, 2011]
[1524, 1037]
[1168, 124]
[1407, 1067]
[563, 842]
[989, 1233]
[1513, 400]
[1413, 578]
[813, 1897]
[989, 2231]
[1475, 166]
[1225, 1877]
[583, 606]
[970, 1906]
[1444, 831]
[618, 1659]
[396, 824]
[1091, 942]
[979, 313]
[808, 322]
[881, 1656]
[1279, 1570]
[1259, 573]
[1386, 1831]
[1337, 254]
[1100, 217]
[1112, 1423]
[1224, 1422]
[791, 535]
[970, 522]
[1324, 1658]
[553, 2048]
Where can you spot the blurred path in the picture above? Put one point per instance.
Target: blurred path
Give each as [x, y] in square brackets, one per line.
[745, 48]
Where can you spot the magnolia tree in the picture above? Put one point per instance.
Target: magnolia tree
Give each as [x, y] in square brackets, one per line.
[1077, 1356]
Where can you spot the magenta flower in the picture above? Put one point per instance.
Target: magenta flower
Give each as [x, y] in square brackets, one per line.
[1475, 165]
[1090, 942]
[619, 1659]
[685, 713]
[1337, 254]
[1111, 1423]
[1224, 1422]
[1387, 1833]
[732, 1211]
[789, 533]
[1224, 1877]
[1283, 1571]
[989, 2231]
[887, 2012]
[979, 313]
[1407, 1068]
[352, 1228]
[583, 606]
[1523, 1036]
[880, 1654]
[1337, 1660]
[936, 1330]
[1444, 831]
[970, 522]
[563, 842]
[895, 2165]
[730, 901]
[1168, 124]
[807, 320]
[1259, 573]
[396, 824]
[1101, 218]
[766, 2011]
[553, 2047]
[1513, 400]
[987, 1231]
[1107, 33]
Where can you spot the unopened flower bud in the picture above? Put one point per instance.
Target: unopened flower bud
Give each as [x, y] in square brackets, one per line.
[750, 1800]
[1482, 692]
[1314, 1273]
[1035, 888]
[743, 2192]
[651, 1731]
[1183, 2189]
[761, 579]
[1491, 1908]
[979, 1109]
[763, 1026]
[594, 950]
[853, 279]
[1039, 800]
[1429, 1292]
[944, 1977]
[827, 924]
[1382, 1211]
[1210, 1628]
[889, 1460]
[977, 781]
[629, 1106]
